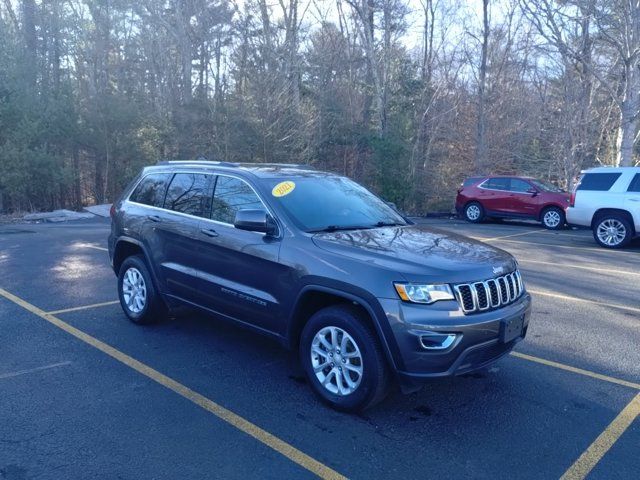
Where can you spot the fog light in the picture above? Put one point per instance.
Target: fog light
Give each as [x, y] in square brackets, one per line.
[437, 341]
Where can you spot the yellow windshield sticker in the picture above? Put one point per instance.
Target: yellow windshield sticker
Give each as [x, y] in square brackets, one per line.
[283, 188]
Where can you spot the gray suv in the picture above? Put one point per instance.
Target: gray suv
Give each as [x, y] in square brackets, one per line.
[319, 263]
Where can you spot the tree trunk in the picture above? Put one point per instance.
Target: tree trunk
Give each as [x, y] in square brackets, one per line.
[628, 117]
[481, 141]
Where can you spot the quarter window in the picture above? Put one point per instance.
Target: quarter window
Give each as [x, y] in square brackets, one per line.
[232, 194]
[189, 193]
[151, 189]
[635, 184]
[598, 182]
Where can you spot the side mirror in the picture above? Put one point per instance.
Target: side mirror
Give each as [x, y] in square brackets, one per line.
[255, 220]
[533, 191]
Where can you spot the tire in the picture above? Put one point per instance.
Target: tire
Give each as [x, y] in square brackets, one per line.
[137, 294]
[368, 387]
[473, 212]
[553, 218]
[612, 231]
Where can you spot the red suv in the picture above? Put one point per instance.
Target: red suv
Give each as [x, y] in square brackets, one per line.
[512, 197]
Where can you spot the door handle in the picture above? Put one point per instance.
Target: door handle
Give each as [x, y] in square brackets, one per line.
[154, 218]
[209, 232]
[634, 199]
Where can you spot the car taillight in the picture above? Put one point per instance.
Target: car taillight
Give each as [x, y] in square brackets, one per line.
[572, 199]
[112, 210]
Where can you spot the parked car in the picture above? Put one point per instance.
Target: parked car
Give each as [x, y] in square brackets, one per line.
[607, 200]
[320, 264]
[512, 197]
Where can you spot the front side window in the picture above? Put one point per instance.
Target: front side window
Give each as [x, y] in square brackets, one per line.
[634, 186]
[189, 193]
[598, 182]
[230, 195]
[519, 186]
[317, 203]
[497, 184]
[151, 189]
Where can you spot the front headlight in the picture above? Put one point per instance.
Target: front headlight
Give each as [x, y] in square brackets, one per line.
[423, 293]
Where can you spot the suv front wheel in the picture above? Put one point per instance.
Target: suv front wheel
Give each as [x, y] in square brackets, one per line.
[612, 231]
[343, 359]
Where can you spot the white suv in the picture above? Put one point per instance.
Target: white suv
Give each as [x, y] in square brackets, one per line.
[608, 201]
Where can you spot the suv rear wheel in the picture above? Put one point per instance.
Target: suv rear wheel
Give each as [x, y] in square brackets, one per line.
[612, 230]
[473, 212]
[553, 218]
[137, 294]
[343, 359]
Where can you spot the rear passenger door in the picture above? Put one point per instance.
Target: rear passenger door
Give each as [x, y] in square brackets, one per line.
[495, 195]
[174, 231]
[241, 276]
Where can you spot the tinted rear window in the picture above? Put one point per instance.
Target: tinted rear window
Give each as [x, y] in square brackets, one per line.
[635, 184]
[151, 190]
[189, 193]
[497, 184]
[599, 182]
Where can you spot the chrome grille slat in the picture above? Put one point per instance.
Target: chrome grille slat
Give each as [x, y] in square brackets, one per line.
[491, 293]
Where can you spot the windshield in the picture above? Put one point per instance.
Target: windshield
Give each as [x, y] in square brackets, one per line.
[546, 187]
[330, 203]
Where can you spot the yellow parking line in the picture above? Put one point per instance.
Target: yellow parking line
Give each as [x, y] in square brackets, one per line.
[83, 307]
[568, 265]
[579, 371]
[601, 445]
[583, 300]
[219, 411]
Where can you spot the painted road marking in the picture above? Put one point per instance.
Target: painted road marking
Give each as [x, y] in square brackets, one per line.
[601, 445]
[233, 419]
[579, 371]
[584, 300]
[88, 245]
[528, 232]
[32, 370]
[83, 307]
[569, 265]
[590, 249]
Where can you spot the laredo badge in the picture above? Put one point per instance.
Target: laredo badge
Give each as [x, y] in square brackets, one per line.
[283, 188]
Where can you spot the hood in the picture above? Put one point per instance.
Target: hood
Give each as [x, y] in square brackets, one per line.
[420, 253]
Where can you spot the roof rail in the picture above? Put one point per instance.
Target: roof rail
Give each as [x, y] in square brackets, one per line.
[276, 165]
[198, 162]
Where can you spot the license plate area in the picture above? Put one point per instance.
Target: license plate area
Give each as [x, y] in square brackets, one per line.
[511, 328]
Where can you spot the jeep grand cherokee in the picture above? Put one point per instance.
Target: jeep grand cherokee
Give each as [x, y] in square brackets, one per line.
[319, 263]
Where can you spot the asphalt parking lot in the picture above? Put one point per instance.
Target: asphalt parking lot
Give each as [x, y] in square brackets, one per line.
[84, 393]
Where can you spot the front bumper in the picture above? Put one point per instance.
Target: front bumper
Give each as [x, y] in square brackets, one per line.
[478, 337]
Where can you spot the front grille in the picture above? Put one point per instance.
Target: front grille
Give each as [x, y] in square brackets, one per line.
[492, 293]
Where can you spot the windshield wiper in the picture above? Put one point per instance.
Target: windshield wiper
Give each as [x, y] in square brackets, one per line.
[335, 228]
[389, 224]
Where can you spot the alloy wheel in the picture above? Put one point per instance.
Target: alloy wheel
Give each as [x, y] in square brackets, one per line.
[134, 290]
[336, 360]
[611, 232]
[551, 219]
[473, 212]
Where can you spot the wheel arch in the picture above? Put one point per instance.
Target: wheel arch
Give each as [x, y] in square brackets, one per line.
[609, 211]
[315, 297]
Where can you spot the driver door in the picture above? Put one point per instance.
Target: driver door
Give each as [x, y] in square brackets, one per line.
[240, 273]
